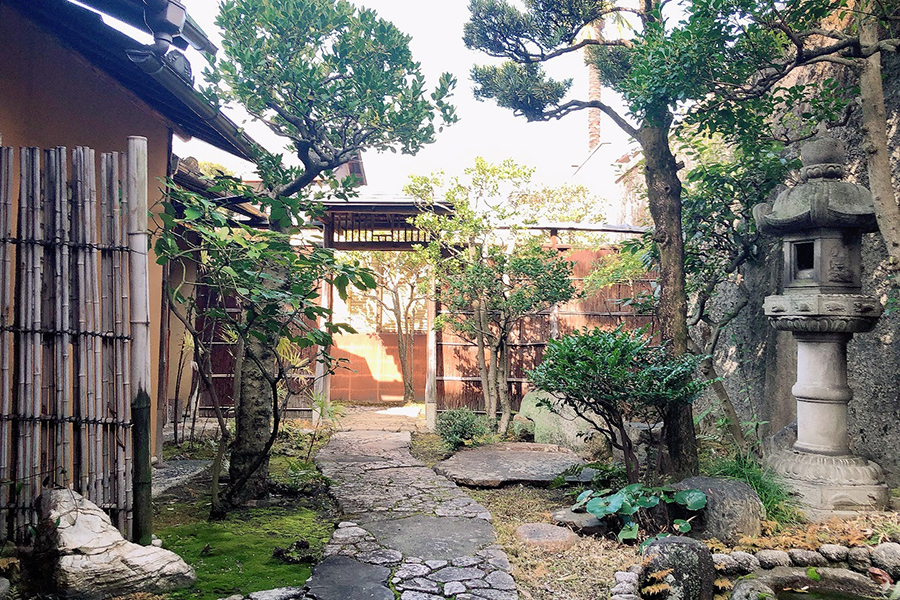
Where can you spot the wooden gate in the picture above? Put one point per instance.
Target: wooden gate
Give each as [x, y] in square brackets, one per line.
[457, 380]
[65, 370]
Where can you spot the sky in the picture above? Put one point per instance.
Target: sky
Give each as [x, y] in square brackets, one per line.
[556, 149]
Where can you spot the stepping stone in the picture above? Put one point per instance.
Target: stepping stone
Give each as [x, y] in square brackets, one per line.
[342, 578]
[580, 522]
[546, 536]
[438, 538]
[503, 464]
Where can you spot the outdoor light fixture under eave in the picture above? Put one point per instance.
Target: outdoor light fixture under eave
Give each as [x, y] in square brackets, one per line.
[821, 221]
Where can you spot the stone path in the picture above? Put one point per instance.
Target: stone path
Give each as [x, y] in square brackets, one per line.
[408, 529]
[377, 418]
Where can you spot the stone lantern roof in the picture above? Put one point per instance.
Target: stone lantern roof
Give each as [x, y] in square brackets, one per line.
[822, 200]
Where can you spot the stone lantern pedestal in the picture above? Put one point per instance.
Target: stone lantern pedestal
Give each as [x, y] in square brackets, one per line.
[822, 221]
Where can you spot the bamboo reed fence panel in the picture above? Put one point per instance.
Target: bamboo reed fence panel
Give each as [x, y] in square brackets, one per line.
[65, 406]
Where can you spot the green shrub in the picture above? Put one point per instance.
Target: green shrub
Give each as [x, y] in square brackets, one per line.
[608, 377]
[461, 426]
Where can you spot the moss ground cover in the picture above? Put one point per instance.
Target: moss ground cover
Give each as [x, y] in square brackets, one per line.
[235, 555]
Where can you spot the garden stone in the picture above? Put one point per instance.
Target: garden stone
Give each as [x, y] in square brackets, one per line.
[625, 597]
[420, 584]
[91, 559]
[454, 587]
[419, 596]
[626, 577]
[860, 558]
[496, 465]
[408, 571]
[733, 510]
[746, 562]
[725, 564]
[769, 559]
[752, 589]
[4, 588]
[693, 571]
[566, 429]
[342, 578]
[465, 561]
[456, 574]
[623, 589]
[435, 564]
[490, 594]
[284, 593]
[500, 581]
[442, 538]
[807, 558]
[546, 536]
[580, 522]
[472, 584]
[887, 556]
[834, 552]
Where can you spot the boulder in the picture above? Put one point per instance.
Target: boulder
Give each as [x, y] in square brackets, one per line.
[807, 558]
[770, 559]
[546, 536]
[860, 558]
[733, 510]
[89, 558]
[687, 564]
[565, 429]
[887, 556]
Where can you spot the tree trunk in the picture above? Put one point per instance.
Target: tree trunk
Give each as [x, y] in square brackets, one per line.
[253, 426]
[492, 384]
[874, 126]
[503, 387]
[404, 347]
[664, 201]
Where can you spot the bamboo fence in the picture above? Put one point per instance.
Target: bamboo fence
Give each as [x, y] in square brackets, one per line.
[65, 334]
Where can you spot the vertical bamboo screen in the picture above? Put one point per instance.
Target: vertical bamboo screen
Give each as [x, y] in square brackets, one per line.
[65, 414]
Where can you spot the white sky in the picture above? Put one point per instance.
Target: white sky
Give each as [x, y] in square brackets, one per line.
[555, 148]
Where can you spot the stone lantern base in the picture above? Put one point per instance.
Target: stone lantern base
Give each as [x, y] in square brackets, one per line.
[832, 486]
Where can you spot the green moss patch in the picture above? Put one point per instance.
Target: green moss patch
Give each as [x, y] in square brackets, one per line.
[235, 555]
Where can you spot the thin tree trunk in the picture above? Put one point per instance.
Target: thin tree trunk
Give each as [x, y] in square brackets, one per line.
[874, 126]
[481, 358]
[664, 201]
[404, 347]
[503, 387]
[492, 382]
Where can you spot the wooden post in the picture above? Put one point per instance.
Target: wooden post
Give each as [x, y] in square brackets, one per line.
[322, 385]
[136, 186]
[6, 191]
[431, 360]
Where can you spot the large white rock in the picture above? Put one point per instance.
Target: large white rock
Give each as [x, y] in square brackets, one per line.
[95, 561]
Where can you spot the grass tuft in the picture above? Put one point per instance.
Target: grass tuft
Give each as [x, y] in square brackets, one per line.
[775, 496]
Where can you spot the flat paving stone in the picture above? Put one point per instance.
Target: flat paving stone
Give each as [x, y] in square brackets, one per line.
[497, 465]
[342, 578]
[438, 538]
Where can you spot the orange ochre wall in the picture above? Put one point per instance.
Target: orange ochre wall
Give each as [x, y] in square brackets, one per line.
[373, 369]
[50, 96]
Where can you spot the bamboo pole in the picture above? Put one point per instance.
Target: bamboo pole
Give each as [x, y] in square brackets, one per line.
[54, 285]
[81, 457]
[125, 400]
[119, 327]
[96, 374]
[63, 379]
[108, 192]
[140, 335]
[6, 190]
[29, 299]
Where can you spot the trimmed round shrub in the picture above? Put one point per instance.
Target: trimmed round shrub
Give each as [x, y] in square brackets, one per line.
[461, 426]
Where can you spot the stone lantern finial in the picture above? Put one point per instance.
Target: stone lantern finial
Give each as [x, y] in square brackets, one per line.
[821, 221]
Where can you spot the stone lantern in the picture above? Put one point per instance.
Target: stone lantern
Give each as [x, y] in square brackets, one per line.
[821, 221]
